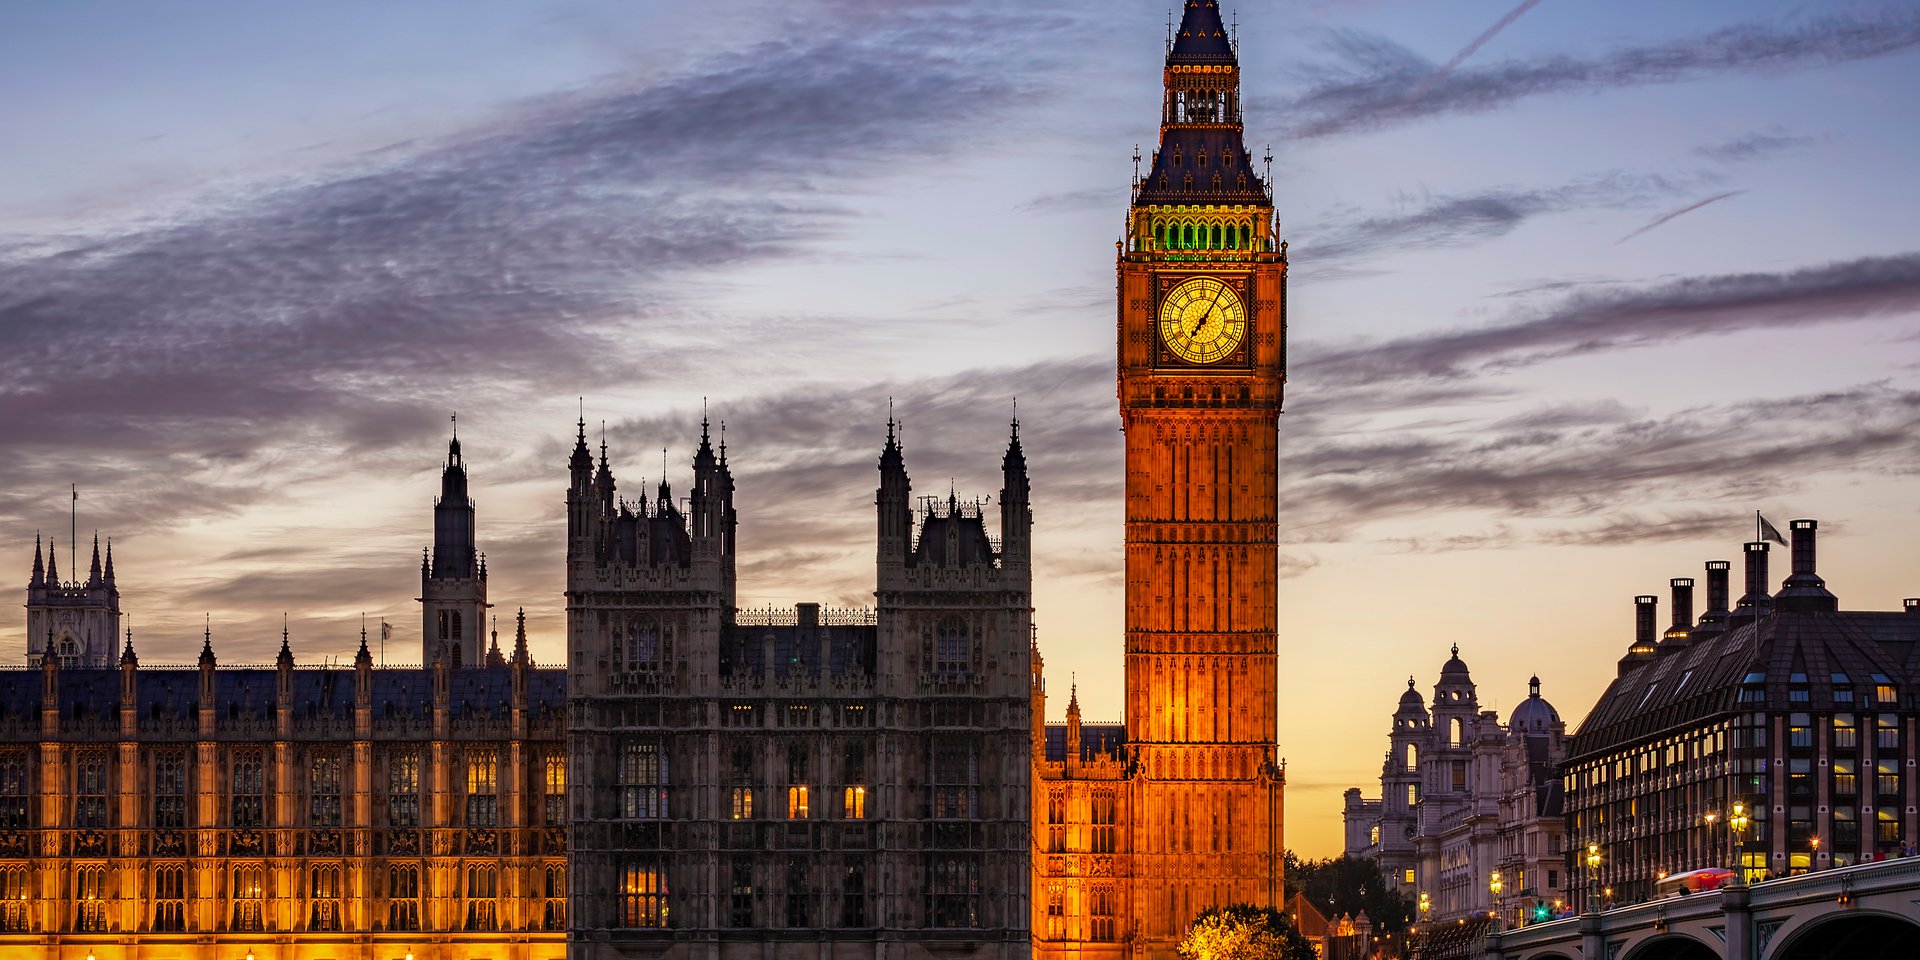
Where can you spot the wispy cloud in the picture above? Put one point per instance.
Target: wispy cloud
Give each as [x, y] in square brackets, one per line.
[1371, 78]
[347, 310]
[1689, 208]
[1470, 49]
[1604, 318]
[1340, 238]
[1754, 145]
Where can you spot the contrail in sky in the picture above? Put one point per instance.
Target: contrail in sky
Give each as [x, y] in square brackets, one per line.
[1689, 208]
[1472, 48]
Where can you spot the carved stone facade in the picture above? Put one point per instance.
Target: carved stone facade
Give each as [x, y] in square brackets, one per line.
[284, 812]
[202, 812]
[1463, 796]
[797, 783]
[1192, 785]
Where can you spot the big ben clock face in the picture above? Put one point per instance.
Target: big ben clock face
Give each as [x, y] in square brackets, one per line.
[1202, 320]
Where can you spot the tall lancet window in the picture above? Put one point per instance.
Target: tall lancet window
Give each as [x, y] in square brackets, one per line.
[248, 800]
[951, 650]
[13, 792]
[90, 792]
[170, 791]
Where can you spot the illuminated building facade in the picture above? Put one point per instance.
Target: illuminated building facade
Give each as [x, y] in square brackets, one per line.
[799, 783]
[1463, 797]
[1777, 733]
[284, 812]
[1193, 781]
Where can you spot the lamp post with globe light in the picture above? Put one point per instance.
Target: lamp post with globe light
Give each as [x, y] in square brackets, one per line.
[1494, 886]
[1737, 824]
[1593, 877]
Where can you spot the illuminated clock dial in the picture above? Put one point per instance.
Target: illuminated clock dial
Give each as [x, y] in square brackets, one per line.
[1202, 320]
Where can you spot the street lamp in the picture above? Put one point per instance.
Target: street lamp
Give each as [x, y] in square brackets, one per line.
[1426, 906]
[1494, 886]
[1738, 824]
[1813, 861]
[1712, 848]
[1593, 875]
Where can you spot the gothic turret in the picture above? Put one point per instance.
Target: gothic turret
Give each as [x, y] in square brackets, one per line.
[453, 583]
[892, 501]
[83, 616]
[1016, 512]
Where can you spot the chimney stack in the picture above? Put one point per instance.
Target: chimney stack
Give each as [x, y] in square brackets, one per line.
[1804, 591]
[1681, 625]
[1713, 621]
[1756, 602]
[1644, 609]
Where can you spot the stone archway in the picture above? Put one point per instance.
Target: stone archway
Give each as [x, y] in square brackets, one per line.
[1853, 936]
[1672, 946]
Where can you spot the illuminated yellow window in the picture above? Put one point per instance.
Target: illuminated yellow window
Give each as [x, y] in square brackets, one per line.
[799, 803]
[643, 896]
[742, 803]
[1410, 881]
[856, 803]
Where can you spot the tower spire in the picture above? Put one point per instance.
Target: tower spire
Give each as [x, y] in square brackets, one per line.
[39, 568]
[520, 636]
[109, 574]
[93, 572]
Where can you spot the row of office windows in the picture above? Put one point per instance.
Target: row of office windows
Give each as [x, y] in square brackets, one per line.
[324, 775]
[247, 895]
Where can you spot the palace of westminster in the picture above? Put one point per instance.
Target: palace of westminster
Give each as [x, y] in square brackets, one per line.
[703, 781]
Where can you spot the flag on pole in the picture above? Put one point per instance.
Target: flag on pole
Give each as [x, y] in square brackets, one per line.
[386, 631]
[1766, 531]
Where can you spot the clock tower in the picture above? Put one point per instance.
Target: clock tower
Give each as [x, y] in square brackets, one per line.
[1202, 363]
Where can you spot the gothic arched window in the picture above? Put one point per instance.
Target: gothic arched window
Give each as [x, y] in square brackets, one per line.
[403, 897]
[951, 651]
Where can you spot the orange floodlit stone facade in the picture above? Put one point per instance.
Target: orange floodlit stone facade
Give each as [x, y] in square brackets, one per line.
[1139, 827]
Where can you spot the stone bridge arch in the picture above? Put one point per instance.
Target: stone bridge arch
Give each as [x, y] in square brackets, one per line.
[1671, 946]
[1850, 935]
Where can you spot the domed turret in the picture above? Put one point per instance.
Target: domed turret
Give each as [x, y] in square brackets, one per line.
[1454, 667]
[1534, 716]
[1411, 701]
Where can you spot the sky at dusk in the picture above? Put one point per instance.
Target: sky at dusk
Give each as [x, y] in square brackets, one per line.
[1562, 316]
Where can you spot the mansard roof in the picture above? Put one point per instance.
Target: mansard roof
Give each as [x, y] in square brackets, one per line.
[1095, 739]
[1703, 682]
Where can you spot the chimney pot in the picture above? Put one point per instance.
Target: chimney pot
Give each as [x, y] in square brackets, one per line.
[1682, 602]
[1803, 543]
[1644, 607]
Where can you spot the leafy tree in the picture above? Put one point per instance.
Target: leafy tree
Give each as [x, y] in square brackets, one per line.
[1243, 931]
[1349, 885]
